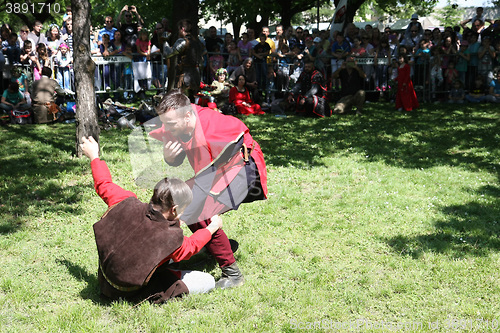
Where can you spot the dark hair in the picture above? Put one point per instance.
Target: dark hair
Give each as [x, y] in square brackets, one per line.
[241, 75]
[14, 86]
[173, 100]
[46, 71]
[169, 192]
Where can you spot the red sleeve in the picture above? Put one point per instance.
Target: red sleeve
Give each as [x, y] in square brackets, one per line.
[104, 186]
[191, 245]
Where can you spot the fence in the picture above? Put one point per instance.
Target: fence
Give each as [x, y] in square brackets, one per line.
[112, 74]
[123, 74]
[429, 85]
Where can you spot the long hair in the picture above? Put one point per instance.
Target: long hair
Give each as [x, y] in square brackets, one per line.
[169, 192]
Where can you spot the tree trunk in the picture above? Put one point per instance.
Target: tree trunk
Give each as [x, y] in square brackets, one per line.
[185, 9]
[86, 109]
[352, 8]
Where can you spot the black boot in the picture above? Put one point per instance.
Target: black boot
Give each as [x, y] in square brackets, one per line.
[231, 277]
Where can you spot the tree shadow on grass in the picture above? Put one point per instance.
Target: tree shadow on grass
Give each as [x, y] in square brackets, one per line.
[432, 136]
[469, 229]
[91, 291]
[31, 163]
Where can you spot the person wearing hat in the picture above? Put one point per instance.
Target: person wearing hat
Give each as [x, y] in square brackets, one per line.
[413, 33]
[220, 83]
[315, 53]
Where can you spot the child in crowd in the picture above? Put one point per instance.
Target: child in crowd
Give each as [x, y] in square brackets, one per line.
[64, 60]
[450, 75]
[383, 52]
[486, 54]
[340, 50]
[477, 93]
[222, 86]
[474, 60]
[11, 49]
[143, 45]
[271, 86]
[298, 63]
[245, 46]
[436, 73]
[457, 93]
[215, 62]
[13, 99]
[234, 57]
[463, 57]
[421, 56]
[27, 56]
[357, 50]
[406, 98]
[43, 60]
[17, 75]
[285, 62]
[127, 73]
[106, 48]
[494, 90]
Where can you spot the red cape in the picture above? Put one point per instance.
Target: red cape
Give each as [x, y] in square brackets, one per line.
[214, 135]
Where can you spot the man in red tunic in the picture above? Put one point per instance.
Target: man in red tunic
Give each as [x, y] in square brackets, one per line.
[228, 164]
[135, 239]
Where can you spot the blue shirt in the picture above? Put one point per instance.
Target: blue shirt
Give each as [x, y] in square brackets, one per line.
[111, 33]
[340, 48]
[496, 86]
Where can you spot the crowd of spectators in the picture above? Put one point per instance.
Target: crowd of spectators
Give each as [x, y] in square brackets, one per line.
[457, 64]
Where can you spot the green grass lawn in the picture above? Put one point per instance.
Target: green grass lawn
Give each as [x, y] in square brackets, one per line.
[389, 221]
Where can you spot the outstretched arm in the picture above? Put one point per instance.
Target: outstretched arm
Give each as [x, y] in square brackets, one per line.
[103, 184]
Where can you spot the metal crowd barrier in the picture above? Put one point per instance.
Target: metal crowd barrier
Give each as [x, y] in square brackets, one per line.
[123, 74]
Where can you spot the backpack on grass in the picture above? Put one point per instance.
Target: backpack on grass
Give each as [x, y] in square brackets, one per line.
[20, 117]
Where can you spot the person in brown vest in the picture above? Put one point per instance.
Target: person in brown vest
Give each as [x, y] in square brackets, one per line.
[45, 91]
[136, 240]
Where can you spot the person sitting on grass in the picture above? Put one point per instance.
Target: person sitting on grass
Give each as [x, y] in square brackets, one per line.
[494, 91]
[13, 99]
[352, 94]
[221, 87]
[477, 93]
[309, 93]
[136, 240]
[240, 97]
[457, 93]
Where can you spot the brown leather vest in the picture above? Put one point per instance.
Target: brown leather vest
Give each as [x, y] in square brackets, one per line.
[132, 239]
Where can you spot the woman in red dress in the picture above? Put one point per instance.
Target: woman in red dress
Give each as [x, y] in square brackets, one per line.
[406, 98]
[240, 97]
